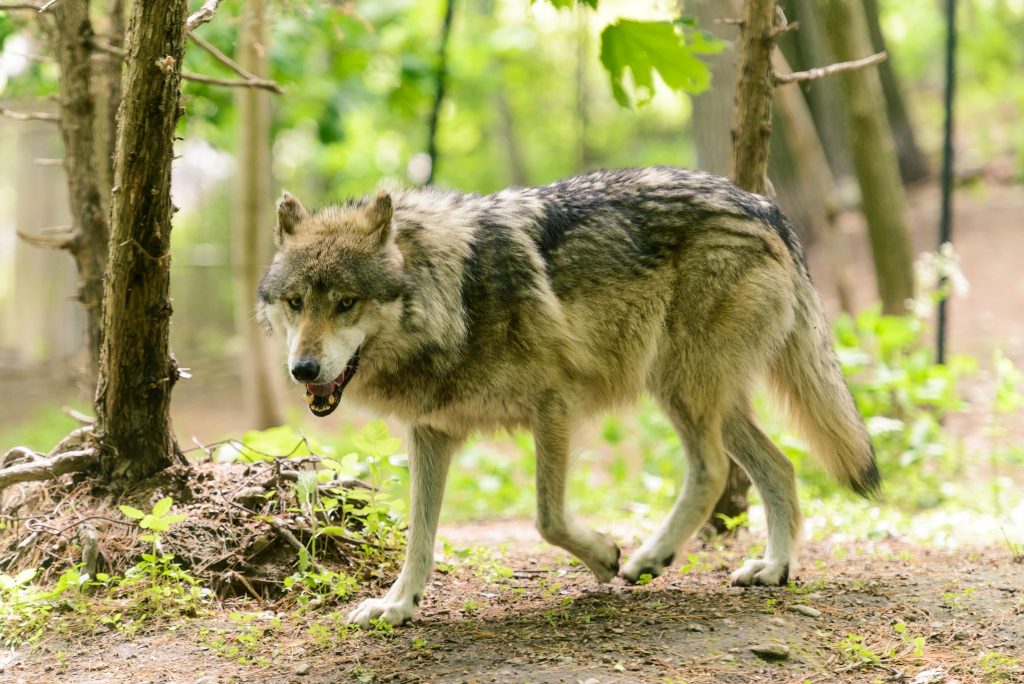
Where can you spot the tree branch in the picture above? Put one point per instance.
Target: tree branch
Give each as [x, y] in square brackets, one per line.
[63, 237]
[10, 6]
[821, 72]
[48, 468]
[263, 84]
[201, 16]
[28, 116]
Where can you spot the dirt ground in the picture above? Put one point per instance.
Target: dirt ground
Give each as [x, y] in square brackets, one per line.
[962, 615]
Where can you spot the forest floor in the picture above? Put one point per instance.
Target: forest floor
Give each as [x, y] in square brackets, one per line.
[859, 612]
[881, 610]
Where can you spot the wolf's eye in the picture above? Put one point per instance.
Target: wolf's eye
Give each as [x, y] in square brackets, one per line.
[295, 303]
[346, 304]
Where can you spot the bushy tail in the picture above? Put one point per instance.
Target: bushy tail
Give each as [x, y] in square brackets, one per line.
[807, 377]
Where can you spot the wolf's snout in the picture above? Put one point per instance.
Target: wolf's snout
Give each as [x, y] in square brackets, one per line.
[306, 370]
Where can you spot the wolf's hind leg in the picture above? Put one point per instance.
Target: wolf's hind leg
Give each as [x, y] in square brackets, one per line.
[707, 469]
[429, 456]
[772, 474]
[551, 431]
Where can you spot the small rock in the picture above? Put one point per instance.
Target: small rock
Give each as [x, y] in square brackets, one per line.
[591, 680]
[728, 658]
[616, 630]
[771, 651]
[566, 660]
[694, 628]
[207, 679]
[778, 621]
[932, 676]
[805, 610]
[301, 669]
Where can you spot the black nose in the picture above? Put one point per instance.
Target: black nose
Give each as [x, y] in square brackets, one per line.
[306, 370]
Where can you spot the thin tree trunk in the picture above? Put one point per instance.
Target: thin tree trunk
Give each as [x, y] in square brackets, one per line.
[88, 238]
[137, 371]
[913, 165]
[751, 130]
[441, 78]
[253, 207]
[874, 157]
[752, 115]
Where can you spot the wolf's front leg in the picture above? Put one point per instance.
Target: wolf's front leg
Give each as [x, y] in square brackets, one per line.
[429, 456]
[551, 429]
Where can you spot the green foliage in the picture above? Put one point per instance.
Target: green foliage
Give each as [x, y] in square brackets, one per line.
[854, 650]
[646, 47]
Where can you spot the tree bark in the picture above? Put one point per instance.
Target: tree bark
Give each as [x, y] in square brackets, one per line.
[88, 239]
[874, 158]
[137, 372]
[251, 244]
[913, 164]
[752, 115]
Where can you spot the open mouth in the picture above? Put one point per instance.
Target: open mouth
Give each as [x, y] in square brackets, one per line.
[323, 399]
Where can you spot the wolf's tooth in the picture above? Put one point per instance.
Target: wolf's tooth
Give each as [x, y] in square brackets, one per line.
[309, 399]
[330, 399]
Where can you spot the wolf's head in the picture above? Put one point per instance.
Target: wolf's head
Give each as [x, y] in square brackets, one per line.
[334, 284]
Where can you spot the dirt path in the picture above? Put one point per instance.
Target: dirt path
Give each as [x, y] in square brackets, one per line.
[872, 611]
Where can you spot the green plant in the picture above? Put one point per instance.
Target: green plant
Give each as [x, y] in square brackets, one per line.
[958, 600]
[916, 641]
[854, 650]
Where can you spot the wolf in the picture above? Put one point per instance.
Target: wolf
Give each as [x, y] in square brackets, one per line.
[539, 307]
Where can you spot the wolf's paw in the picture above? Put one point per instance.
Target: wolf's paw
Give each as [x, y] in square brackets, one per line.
[604, 562]
[646, 564]
[394, 612]
[764, 572]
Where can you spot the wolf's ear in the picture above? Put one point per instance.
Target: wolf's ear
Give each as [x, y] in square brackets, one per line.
[290, 213]
[379, 213]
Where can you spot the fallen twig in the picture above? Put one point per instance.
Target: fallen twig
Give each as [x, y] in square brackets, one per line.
[28, 116]
[202, 16]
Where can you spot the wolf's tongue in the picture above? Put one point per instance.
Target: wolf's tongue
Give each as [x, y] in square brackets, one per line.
[322, 390]
[326, 389]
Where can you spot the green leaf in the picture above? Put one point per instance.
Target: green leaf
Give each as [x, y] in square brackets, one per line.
[334, 530]
[133, 513]
[567, 4]
[161, 507]
[646, 47]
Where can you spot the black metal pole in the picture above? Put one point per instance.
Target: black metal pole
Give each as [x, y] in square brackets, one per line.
[945, 220]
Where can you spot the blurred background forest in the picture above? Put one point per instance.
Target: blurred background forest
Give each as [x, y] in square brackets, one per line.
[527, 101]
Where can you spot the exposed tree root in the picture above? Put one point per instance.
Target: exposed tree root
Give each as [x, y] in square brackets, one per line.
[28, 466]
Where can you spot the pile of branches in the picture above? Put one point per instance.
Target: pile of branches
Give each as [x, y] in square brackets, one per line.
[242, 534]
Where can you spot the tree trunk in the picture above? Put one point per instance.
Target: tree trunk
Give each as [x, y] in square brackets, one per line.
[712, 109]
[913, 165]
[88, 239]
[251, 244]
[441, 76]
[752, 115]
[808, 48]
[751, 130]
[874, 158]
[137, 371]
